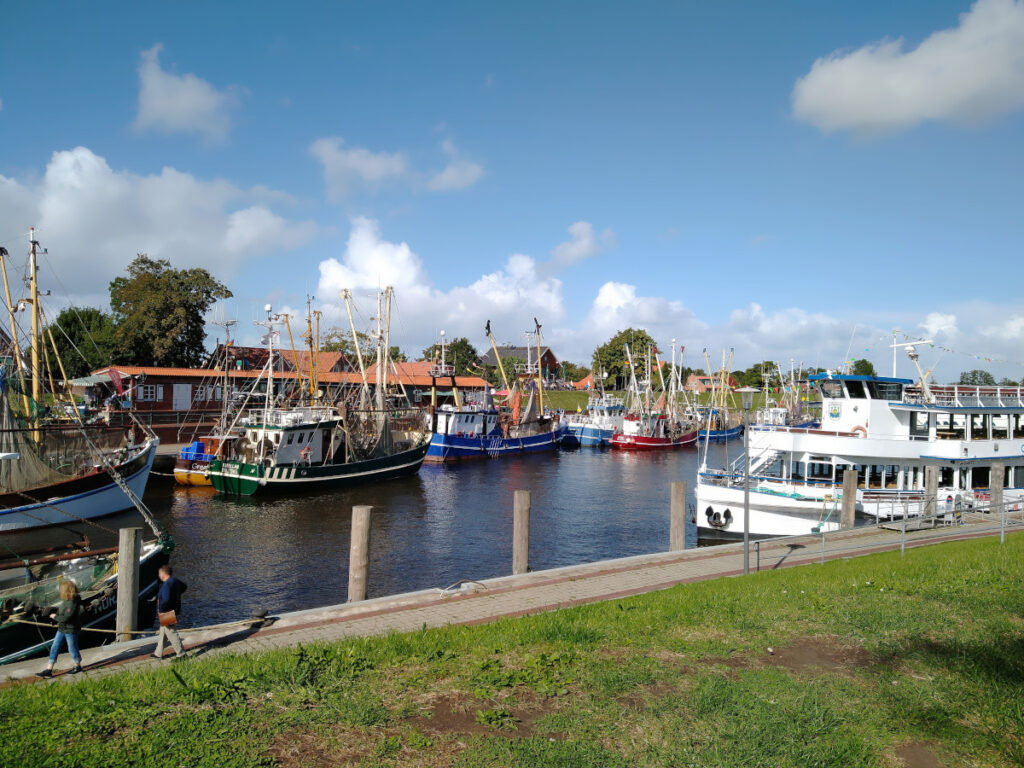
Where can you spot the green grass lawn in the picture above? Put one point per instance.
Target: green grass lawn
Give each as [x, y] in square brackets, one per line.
[872, 660]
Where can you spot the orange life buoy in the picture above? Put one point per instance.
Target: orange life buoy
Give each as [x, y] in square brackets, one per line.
[862, 431]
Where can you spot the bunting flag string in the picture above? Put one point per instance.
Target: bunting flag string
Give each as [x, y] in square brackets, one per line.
[907, 338]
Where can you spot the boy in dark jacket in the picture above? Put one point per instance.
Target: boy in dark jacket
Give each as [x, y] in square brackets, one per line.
[169, 599]
[69, 615]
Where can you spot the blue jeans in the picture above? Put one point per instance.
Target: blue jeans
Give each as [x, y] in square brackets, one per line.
[72, 638]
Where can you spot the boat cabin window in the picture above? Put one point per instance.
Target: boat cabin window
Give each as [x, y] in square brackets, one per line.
[979, 426]
[819, 470]
[945, 477]
[919, 425]
[885, 390]
[1000, 427]
[1018, 426]
[1015, 477]
[965, 478]
[950, 426]
[892, 476]
[855, 388]
[875, 476]
[832, 388]
[862, 472]
[981, 477]
[291, 438]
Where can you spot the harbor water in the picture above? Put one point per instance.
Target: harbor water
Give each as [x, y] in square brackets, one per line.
[445, 524]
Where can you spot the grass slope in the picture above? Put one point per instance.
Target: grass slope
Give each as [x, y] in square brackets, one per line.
[873, 661]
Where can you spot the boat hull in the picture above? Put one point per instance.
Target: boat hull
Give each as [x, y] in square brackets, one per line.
[449, 448]
[192, 472]
[622, 442]
[236, 478]
[721, 435]
[83, 498]
[588, 436]
[24, 641]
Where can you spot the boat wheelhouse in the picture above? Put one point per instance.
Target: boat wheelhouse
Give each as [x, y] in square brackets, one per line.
[888, 430]
[595, 427]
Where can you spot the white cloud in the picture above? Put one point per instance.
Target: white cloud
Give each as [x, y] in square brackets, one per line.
[583, 244]
[94, 219]
[510, 296]
[937, 323]
[458, 174]
[968, 74]
[1012, 329]
[344, 169]
[170, 103]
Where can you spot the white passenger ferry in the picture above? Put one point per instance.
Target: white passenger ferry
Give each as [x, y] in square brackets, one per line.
[888, 430]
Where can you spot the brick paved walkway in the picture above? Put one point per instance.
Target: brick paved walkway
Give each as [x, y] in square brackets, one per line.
[478, 602]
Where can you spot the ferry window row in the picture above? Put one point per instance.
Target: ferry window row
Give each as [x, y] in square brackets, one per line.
[979, 426]
[858, 390]
[895, 477]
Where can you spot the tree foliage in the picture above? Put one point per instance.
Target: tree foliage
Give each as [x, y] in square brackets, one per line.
[863, 367]
[573, 372]
[84, 338]
[610, 357]
[977, 377]
[159, 312]
[458, 353]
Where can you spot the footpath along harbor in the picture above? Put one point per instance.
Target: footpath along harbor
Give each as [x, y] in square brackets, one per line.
[524, 593]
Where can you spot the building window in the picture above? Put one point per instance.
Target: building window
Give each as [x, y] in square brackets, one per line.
[150, 392]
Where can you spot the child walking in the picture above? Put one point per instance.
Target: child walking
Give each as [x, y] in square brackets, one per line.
[69, 616]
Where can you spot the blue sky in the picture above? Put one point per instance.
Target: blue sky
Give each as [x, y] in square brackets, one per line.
[778, 178]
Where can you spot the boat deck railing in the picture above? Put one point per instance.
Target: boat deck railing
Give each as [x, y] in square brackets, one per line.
[961, 396]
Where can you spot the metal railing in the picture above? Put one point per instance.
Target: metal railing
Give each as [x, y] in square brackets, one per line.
[982, 518]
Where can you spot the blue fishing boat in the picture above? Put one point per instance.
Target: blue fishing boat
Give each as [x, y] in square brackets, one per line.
[595, 426]
[517, 423]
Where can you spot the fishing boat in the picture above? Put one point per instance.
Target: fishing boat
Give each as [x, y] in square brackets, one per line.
[656, 425]
[720, 423]
[789, 409]
[320, 445]
[889, 430]
[595, 426]
[58, 469]
[489, 429]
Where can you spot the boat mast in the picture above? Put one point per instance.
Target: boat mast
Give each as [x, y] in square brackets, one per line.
[497, 357]
[388, 294]
[540, 380]
[346, 294]
[34, 300]
[14, 329]
[269, 325]
[222, 421]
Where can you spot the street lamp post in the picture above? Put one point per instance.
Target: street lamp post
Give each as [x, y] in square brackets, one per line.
[747, 393]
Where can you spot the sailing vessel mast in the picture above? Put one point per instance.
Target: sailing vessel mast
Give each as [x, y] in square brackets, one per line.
[34, 301]
[346, 294]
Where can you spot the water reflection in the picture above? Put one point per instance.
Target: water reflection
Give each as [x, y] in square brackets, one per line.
[445, 524]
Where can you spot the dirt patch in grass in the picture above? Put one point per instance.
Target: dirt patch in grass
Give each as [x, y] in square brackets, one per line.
[456, 714]
[805, 654]
[918, 754]
[643, 695]
[304, 749]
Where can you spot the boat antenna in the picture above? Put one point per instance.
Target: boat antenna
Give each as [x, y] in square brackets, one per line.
[846, 360]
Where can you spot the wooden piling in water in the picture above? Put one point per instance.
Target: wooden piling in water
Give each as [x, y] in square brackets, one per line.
[520, 532]
[359, 553]
[129, 547]
[849, 509]
[677, 522]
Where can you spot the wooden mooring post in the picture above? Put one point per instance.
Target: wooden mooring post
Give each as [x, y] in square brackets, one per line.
[849, 509]
[677, 522]
[129, 547]
[359, 553]
[520, 532]
[931, 490]
[996, 481]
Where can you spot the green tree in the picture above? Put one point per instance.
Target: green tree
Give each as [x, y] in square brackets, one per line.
[573, 372]
[84, 337]
[458, 353]
[977, 377]
[397, 355]
[159, 313]
[863, 367]
[610, 357]
[1005, 382]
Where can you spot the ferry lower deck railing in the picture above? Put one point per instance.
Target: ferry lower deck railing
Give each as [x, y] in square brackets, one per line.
[923, 528]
